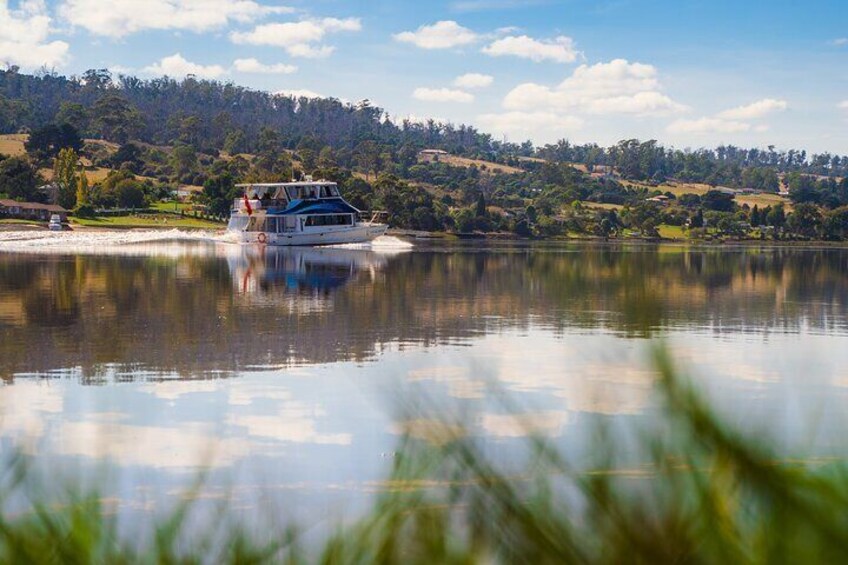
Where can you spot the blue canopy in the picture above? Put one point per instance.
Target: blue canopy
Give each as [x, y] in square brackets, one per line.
[323, 206]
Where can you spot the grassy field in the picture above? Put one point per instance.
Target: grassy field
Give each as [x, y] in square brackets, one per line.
[19, 222]
[170, 206]
[490, 167]
[671, 232]
[761, 200]
[600, 205]
[13, 144]
[147, 221]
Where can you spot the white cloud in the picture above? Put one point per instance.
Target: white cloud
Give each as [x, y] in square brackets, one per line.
[187, 446]
[755, 110]
[299, 39]
[294, 422]
[839, 42]
[734, 120]
[440, 35]
[299, 93]
[708, 125]
[118, 18]
[25, 409]
[473, 80]
[843, 105]
[617, 87]
[526, 124]
[253, 66]
[442, 95]
[24, 37]
[174, 389]
[548, 423]
[559, 50]
[177, 66]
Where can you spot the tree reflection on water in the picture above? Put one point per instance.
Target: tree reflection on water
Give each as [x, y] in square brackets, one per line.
[212, 308]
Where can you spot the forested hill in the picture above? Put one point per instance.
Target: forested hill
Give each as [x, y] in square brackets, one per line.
[213, 116]
[96, 145]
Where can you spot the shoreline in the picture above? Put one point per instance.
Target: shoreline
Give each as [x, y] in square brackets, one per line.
[453, 238]
[592, 240]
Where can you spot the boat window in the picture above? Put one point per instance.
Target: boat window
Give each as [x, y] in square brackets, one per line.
[334, 190]
[330, 220]
[328, 191]
[272, 225]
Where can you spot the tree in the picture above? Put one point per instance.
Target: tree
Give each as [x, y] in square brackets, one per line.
[129, 194]
[74, 114]
[836, 224]
[83, 193]
[697, 220]
[115, 118]
[464, 220]
[218, 193]
[46, 142]
[776, 217]
[718, 201]
[184, 162]
[805, 220]
[327, 158]
[756, 218]
[522, 228]
[802, 188]
[128, 155]
[729, 225]
[367, 156]
[235, 142]
[480, 210]
[65, 177]
[19, 179]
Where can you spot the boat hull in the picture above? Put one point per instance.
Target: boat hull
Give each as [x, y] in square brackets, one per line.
[360, 233]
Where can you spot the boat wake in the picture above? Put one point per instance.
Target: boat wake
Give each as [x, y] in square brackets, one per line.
[154, 242]
[383, 244]
[98, 242]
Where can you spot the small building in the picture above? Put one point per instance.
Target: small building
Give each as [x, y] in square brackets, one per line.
[431, 155]
[659, 199]
[31, 210]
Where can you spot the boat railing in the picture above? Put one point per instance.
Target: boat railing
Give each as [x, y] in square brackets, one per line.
[377, 217]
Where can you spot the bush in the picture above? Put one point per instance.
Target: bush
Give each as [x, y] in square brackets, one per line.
[84, 211]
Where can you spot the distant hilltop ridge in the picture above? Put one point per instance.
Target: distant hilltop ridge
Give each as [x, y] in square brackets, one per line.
[214, 116]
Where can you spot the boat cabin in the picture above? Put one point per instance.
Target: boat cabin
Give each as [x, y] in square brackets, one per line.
[280, 195]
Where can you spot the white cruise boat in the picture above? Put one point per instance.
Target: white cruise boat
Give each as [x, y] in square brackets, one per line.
[299, 213]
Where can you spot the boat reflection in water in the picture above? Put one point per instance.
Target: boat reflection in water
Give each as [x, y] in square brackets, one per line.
[300, 270]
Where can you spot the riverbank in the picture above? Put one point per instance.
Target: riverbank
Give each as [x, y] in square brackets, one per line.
[122, 223]
[632, 240]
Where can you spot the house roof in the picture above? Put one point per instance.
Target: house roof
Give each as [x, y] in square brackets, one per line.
[32, 205]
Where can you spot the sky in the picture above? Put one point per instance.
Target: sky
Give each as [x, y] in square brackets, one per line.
[688, 73]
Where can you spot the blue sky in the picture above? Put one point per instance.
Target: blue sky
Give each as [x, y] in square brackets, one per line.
[690, 74]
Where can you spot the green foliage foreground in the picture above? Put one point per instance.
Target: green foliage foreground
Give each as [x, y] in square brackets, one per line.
[703, 493]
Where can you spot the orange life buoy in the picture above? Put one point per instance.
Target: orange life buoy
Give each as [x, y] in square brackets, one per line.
[262, 238]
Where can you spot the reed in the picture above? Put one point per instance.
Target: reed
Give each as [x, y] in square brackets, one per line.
[703, 492]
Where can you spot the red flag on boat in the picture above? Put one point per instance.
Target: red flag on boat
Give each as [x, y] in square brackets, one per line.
[247, 205]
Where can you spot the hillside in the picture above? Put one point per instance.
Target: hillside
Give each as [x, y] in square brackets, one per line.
[137, 142]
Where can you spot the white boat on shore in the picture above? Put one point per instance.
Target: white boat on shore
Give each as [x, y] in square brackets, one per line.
[299, 213]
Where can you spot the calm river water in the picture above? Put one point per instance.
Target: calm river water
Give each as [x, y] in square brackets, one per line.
[286, 374]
